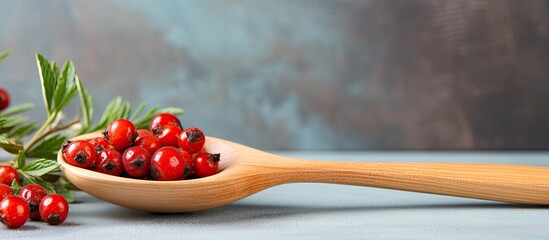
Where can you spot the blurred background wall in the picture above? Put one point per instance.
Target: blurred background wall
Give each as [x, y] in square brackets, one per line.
[309, 74]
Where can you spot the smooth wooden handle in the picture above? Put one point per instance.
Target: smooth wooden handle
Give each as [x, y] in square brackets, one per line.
[506, 183]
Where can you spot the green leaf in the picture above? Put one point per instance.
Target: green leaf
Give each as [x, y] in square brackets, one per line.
[14, 120]
[71, 186]
[4, 54]
[27, 179]
[15, 187]
[40, 167]
[109, 114]
[20, 160]
[66, 87]
[22, 131]
[47, 80]
[17, 109]
[10, 123]
[86, 102]
[50, 177]
[143, 121]
[172, 110]
[62, 189]
[47, 148]
[55, 71]
[125, 111]
[5, 129]
[119, 109]
[46, 185]
[54, 68]
[9, 145]
[138, 111]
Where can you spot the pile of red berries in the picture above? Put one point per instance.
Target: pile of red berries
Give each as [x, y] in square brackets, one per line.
[165, 152]
[32, 202]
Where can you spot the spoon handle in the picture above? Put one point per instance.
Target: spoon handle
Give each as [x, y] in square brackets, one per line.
[498, 182]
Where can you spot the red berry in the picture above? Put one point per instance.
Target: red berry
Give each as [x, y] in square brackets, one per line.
[206, 164]
[5, 191]
[33, 194]
[8, 174]
[109, 161]
[141, 133]
[162, 120]
[168, 135]
[121, 134]
[192, 140]
[100, 144]
[14, 211]
[136, 161]
[188, 160]
[4, 99]
[151, 143]
[54, 209]
[169, 163]
[79, 153]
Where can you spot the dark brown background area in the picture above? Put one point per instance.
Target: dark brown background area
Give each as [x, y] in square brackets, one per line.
[283, 75]
[461, 74]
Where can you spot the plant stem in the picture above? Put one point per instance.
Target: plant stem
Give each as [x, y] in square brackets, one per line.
[38, 137]
[43, 132]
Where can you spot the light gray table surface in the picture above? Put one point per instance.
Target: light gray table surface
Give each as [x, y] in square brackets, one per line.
[318, 211]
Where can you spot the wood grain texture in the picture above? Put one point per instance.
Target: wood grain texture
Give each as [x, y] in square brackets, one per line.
[245, 171]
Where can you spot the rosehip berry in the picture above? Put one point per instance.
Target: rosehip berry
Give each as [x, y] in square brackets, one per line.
[188, 160]
[100, 144]
[14, 211]
[192, 140]
[169, 163]
[4, 99]
[54, 209]
[8, 174]
[79, 153]
[109, 161]
[141, 133]
[168, 135]
[33, 194]
[206, 164]
[121, 134]
[162, 120]
[136, 161]
[151, 143]
[5, 191]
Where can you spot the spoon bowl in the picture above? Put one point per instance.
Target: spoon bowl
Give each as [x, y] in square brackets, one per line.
[245, 171]
[163, 196]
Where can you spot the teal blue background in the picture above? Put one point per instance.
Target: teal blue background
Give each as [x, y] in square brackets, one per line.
[306, 75]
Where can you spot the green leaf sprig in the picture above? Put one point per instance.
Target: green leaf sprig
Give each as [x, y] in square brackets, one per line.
[35, 159]
[4, 54]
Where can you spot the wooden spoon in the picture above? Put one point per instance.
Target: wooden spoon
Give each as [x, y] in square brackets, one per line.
[245, 171]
